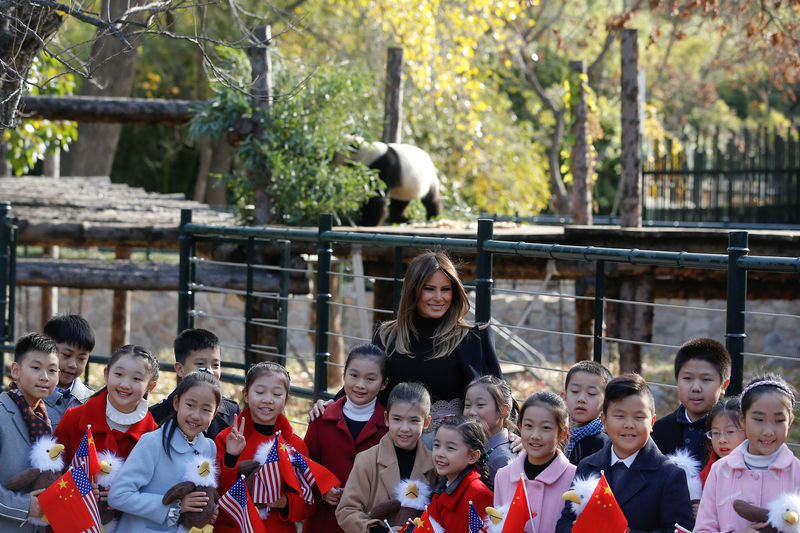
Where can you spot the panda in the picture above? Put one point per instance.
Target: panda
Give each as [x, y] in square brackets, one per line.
[409, 174]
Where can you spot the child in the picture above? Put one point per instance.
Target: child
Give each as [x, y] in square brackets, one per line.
[761, 468]
[266, 391]
[583, 391]
[548, 474]
[489, 398]
[118, 412]
[703, 371]
[23, 419]
[724, 432]
[399, 455]
[651, 491]
[351, 425]
[196, 349]
[160, 458]
[459, 455]
[75, 340]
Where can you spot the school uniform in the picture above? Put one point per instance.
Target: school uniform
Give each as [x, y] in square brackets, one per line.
[15, 446]
[498, 450]
[73, 426]
[58, 402]
[544, 491]
[587, 446]
[148, 474]
[652, 492]
[674, 431]
[730, 479]
[331, 444]
[373, 480]
[450, 503]
[228, 409]
[278, 520]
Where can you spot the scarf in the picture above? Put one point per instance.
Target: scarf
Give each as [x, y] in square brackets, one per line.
[592, 428]
[36, 419]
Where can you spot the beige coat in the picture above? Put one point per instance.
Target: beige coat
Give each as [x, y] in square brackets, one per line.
[373, 479]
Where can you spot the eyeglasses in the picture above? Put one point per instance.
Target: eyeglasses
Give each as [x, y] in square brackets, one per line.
[729, 434]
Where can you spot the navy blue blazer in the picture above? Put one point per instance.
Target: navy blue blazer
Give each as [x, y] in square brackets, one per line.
[653, 494]
[669, 435]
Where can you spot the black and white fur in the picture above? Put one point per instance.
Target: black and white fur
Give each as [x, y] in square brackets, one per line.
[409, 174]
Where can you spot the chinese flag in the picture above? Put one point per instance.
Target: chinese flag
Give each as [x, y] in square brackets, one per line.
[601, 514]
[69, 504]
[423, 523]
[325, 479]
[285, 464]
[518, 514]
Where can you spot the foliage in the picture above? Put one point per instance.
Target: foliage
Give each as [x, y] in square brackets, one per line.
[293, 160]
[33, 138]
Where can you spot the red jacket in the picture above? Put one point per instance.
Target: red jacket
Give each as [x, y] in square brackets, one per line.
[72, 427]
[712, 458]
[277, 521]
[330, 443]
[451, 511]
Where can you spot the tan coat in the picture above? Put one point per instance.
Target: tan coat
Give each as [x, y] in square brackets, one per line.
[373, 479]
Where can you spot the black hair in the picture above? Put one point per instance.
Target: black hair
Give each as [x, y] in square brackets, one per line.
[553, 403]
[708, 350]
[590, 367]
[150, 360]
[368, 351]
[475, 435]
[729, 407]
[266, 369]
[192, 379]
[500, 391]
[626, 385]
[413, 393]
[761, 385]
[71, 329]
[33, 342]
[193, 339]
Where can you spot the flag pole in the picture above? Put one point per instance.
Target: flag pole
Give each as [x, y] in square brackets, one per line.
[527, 501]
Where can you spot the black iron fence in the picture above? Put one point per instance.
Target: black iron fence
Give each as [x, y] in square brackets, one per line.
[752, 178]
[8, 263]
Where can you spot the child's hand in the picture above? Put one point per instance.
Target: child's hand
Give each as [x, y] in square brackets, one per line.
[102, 494]
[318, 409]
[515, 441]
[280, 503]
[214, 516]
[35, 510]
[333, 496]
[194, 502]
[235, 441]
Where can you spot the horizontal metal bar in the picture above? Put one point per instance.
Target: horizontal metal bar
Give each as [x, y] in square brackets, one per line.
[776, 315]
[343, 336]
[640, 343]
[243, 231]
[769, 263]
[530, 365]
[349, 306]
[408, 241]
[766, 356]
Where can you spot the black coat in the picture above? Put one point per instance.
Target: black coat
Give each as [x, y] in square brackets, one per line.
[668, 434]
[587, 446]
[653, 494]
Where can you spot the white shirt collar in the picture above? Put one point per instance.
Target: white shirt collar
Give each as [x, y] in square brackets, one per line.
[628, 461]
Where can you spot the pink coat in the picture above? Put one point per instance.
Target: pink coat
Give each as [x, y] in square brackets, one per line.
[730, 480]
[544, 492]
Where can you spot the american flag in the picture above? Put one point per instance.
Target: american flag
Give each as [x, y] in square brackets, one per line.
[304, 476]
[85, 488]
[409, 527]
[267, 481]
[85, 457]
[236, 503]
[476, 525]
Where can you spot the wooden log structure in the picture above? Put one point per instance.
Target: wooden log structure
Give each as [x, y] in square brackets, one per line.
[119, 110]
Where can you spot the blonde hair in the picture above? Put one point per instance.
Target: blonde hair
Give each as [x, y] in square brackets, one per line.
[452, 329]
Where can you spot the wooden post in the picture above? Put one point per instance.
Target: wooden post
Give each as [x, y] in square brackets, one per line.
[5, 164]
[49, 294]
[262, 92]
[52, 164]
[631, 178]
[121, 311]
[581, 165]
[584, 318]
[393, 105]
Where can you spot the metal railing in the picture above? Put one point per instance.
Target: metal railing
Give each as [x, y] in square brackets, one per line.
[8, 278]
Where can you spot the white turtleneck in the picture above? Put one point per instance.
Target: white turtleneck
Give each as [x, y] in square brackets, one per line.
[758, 462]
[122, 421]
[359, 413]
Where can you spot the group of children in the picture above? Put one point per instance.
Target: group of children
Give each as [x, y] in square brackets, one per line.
[597, 424]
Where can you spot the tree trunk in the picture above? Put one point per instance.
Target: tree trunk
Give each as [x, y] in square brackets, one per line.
[18, 46]
[112, 66]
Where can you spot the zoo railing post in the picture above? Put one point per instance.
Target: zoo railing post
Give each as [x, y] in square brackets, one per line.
[12, 278]
[248, 304]
[599, 294]
[185, 299]
[322, 354]
[737, 298]
[286, 263]
[398, 279]
[483, 281]
[5, 250]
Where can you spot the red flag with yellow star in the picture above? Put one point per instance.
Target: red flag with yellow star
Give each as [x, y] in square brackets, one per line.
[69, 504]
[518, 513]
[86, 455]
[602, 514]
